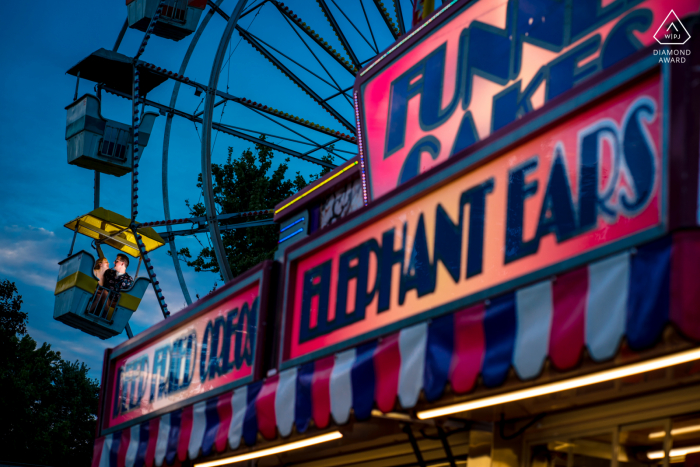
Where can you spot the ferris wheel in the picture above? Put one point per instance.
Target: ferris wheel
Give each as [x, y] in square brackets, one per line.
[318, 49]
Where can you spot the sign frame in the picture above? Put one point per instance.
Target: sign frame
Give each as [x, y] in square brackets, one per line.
[634, 69]
[263, 273]
[443, 15]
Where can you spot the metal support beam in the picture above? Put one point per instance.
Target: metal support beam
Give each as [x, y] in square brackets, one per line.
[96, 198]
[338, 93]
[216, 8]
[322, 147]
[226, 129]
[414, 445]
[77, 86]
[298, 81]
[207, 188]
[251, 9]
[203, 219]
[166, 148]
[352, 68]
[399, 16]
[339, 32]
[118, 42]
[251, 105]
[446, 446]
[387, 19]
[222, 228]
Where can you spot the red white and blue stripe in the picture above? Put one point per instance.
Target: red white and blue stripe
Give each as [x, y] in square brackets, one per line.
[632, 295]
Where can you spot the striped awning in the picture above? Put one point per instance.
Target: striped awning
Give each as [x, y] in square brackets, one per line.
[633, 295]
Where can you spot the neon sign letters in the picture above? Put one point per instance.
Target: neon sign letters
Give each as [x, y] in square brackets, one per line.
[486, 65]
[592, 180]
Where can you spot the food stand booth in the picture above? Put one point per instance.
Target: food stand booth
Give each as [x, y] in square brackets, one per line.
[518, 286]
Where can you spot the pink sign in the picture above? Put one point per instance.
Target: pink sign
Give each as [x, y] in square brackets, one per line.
[215, 348]
[592, 179]
[478, 66]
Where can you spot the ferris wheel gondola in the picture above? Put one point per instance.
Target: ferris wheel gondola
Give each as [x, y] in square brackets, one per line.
[77, 293]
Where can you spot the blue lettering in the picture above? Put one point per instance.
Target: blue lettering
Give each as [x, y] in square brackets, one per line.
[557, 214]
[229, 336]
[411, 165]
[360, 272]
[518, 192]
[621, 42]
[158, 380]
[638, 150]
[215, 352]
[205, 352]
[418, 275]
[316, 284]
[476, 197]
[389, 258]
[565, 72]
[591, 150]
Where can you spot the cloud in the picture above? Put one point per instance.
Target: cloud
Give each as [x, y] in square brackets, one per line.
[29, 255]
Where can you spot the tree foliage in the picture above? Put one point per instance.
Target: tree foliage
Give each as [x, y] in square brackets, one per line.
[48, 405]
[247, 183]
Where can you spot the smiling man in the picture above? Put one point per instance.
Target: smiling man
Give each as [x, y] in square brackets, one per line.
[117, 278]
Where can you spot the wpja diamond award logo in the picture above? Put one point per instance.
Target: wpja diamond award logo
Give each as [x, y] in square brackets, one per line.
[672, 32]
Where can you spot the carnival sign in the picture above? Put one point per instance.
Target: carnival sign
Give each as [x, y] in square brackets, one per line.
[208, 348]
[592, 181]
[475, 67]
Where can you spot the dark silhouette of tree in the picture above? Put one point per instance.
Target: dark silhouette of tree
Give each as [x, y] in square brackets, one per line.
[247, 183]
[48, 405]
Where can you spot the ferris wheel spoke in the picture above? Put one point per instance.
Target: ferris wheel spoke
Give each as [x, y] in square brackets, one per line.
[336, 28]
[352, 153]
[241, 100]
[342, 91]
[118, 42]
[201, 220]
[289, 129]
[276, 147]
[351, 67]
[396, 32]
[222, 228]
[337, 86]
[251, 9]
[268, 135]
[216, 8]
[399, 16]
[299, 82]
[199, 114]
[331, 152]
[289, 117]
[347, 98]
[362, 4]
[310, 143]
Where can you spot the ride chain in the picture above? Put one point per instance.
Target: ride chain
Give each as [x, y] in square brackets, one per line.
[135, 164]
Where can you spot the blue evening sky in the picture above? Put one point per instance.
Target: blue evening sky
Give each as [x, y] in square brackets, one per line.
[40, 192]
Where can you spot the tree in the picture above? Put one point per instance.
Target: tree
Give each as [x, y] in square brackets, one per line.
[48, 405]
[240, 185]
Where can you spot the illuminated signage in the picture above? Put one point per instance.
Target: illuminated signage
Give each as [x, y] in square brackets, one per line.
[590, 183]
[478, 66]
[205, 349]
